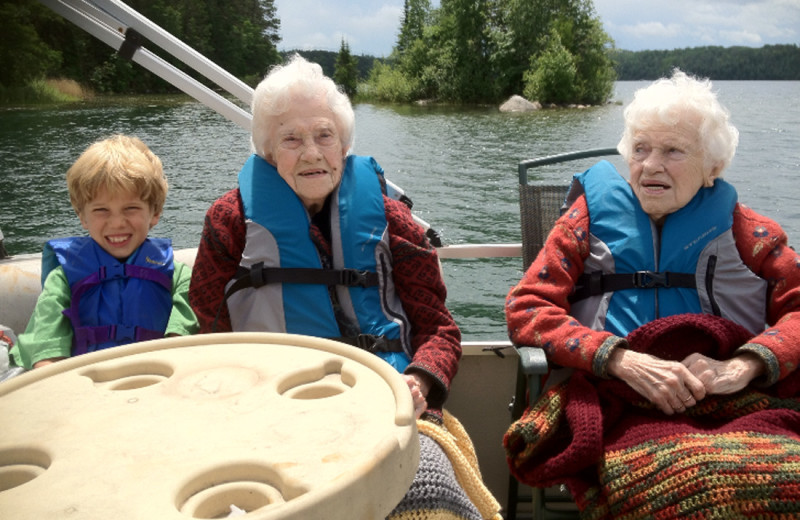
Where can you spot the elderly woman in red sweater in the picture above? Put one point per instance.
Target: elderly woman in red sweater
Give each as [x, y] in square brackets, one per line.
[308, 224]
[667, 298]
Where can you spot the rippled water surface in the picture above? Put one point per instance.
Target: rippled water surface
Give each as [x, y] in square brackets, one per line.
[459, 166]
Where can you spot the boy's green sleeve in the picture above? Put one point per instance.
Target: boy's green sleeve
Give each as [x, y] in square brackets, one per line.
[49, 333]
[182, 320]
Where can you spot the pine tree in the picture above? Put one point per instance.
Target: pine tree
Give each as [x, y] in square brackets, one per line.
[415, 15]
[346, 72]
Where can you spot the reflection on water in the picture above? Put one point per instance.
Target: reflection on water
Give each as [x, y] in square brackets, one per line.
[458, 165]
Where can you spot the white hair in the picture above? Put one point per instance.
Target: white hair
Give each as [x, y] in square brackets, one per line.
[302, 78]
[669, 100]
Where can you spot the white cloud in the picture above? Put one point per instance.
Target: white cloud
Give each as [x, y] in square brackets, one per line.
[746, 38]
[369, 30]
[689, 23]
[652, 30]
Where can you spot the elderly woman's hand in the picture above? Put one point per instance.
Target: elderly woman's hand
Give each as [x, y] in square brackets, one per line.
[419, 392]
[725, 377]
[669, 385]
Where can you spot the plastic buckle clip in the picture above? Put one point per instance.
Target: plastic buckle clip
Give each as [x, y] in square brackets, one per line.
[649, 280]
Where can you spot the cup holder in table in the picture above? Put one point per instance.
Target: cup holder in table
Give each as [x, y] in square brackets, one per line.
[248, 487]
[20, 466]
[324, 380]
[129, 376]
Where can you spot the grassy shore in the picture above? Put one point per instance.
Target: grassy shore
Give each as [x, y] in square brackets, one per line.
[45, 92]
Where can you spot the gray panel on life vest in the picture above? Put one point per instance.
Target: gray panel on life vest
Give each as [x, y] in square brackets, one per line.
[591, 311]
[391, 304]
[740, 294]
[254, 310]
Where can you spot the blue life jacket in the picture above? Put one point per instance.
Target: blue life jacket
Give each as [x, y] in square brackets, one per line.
[113, 303]
[282, 286]
[641, 273]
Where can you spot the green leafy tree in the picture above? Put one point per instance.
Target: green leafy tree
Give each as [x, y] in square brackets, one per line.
[476, 51]
[346, 71]
[420, 59]
[244, 36]
[524, 31]
[421, 64]
[583, 37]
[595, 65]
[387, 83]
[412, 26]
[240, 35]
[29, 58]
[553, 76]
[117, 75]
[519, 35]
[410, 72]
[465, 63]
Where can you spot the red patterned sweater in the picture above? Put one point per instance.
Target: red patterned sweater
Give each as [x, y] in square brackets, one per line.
[537, 310]
[436, 339]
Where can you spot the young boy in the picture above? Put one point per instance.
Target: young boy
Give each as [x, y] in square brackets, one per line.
[115, 286]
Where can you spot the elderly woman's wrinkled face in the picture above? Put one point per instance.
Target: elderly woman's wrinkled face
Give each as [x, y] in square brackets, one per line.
[306, 148]
[667, 167]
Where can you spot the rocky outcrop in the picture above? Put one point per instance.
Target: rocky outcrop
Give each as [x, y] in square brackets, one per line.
[519, 104]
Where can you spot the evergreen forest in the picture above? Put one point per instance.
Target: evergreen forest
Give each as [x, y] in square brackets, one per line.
[464, 51]
[770, 62]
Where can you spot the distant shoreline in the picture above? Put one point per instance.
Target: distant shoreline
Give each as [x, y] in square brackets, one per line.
[767, 63]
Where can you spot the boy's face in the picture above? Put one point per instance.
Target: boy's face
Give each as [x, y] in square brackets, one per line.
[119, 223]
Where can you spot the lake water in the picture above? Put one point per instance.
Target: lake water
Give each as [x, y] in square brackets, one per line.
[458, 165]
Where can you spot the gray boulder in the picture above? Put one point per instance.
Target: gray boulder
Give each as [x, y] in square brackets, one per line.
[519, 104]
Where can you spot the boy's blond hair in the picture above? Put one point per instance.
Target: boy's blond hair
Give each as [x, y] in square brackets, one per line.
[119, 164]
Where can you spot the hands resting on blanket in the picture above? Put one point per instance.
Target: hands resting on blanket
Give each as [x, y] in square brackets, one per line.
[675, 386]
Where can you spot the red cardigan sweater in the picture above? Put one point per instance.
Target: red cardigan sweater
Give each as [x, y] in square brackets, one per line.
[537, 310]
[436, 340]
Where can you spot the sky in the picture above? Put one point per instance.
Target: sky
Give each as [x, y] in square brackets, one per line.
[370, 27]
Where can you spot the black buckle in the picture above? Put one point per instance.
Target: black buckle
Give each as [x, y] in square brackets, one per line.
[123, 332]
[649, 280]
[366, 341]
[353, 278]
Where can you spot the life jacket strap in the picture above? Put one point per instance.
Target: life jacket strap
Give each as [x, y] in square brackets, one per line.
[596, 282]
[86, 336]
[372, 343]
[258, 275]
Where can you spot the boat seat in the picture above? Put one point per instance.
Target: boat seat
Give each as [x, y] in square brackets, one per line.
[540, 206]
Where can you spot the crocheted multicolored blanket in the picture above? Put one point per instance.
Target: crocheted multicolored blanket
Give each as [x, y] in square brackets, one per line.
[734, 456]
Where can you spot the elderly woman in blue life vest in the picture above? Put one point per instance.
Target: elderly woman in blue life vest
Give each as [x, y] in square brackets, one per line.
[304, 201]
[666, 286]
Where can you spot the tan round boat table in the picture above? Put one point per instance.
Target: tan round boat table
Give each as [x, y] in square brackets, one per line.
[275, 425]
